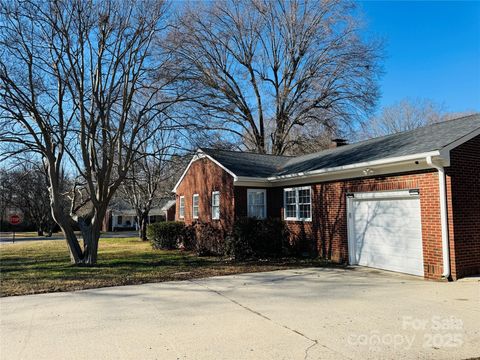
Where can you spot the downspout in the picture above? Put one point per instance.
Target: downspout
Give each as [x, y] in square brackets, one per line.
[443, 216]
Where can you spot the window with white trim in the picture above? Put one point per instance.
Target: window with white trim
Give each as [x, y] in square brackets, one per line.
[215, 205]
[298, 203]
[181, 212]
[257, 203]
[195, 200]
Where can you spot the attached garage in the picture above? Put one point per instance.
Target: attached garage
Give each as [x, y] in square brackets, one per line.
[385, 231]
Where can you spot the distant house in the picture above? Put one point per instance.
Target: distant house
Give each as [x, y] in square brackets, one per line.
[407, 202]
[123, 217]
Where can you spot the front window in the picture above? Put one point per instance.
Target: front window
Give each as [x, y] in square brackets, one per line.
[216, 205]
[195, 200]
[182, 207]
[298, 203]
[256, 203]
[290, 203]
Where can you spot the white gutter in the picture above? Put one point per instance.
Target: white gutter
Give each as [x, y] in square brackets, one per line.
[443, 216]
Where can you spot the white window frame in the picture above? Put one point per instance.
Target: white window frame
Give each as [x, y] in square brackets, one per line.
[181, 209]
[264, 191]
[297, 204]
[214, 206]
[197, 207]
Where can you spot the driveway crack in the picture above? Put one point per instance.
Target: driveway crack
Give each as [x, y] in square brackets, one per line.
[314, 342]
[308, 349]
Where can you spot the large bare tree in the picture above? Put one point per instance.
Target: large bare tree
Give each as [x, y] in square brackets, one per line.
[78, 86]
[259, 69]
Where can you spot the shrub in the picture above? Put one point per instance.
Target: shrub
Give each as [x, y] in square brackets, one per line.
[238, 243]
[238, 247]
[166, 235]
[188, 239]
[209, 239]
[261, 238]
[271, 238]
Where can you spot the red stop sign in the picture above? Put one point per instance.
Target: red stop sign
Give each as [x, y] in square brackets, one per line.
[14, 219]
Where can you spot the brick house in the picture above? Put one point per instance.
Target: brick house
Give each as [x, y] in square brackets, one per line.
[407, 202]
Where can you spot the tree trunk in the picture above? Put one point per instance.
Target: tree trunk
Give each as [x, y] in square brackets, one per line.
[40, 232]
[91, 236]
[76, 254]
[91, 228]
[142, 228]
[90, 233]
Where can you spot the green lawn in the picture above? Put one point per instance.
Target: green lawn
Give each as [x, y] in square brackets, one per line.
[43, 266]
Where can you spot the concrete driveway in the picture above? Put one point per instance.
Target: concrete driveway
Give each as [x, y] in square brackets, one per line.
[295, 314]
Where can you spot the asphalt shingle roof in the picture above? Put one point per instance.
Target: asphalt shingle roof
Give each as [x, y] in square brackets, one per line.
[429, 138]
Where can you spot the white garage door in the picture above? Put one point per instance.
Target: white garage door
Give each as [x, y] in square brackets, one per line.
[385, 231]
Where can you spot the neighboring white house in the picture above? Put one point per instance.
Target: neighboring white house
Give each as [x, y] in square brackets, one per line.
[125, 218]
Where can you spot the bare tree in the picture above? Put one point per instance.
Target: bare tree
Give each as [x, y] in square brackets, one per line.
[78, 85]
[407, 114]
[27, 189]
[289, 64]
[150, 179]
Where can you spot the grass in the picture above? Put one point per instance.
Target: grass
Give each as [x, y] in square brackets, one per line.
[44, 266]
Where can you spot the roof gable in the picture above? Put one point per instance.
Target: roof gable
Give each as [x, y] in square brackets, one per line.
[248, 164]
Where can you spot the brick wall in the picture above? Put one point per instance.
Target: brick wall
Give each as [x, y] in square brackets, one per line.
[203, 177]
[463, 178]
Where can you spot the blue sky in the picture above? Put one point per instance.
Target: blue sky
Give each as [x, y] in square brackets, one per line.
[432, 50]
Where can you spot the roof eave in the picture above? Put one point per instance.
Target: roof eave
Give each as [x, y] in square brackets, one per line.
[382, 166]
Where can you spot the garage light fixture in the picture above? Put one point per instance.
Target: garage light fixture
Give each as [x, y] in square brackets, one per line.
[414, 192]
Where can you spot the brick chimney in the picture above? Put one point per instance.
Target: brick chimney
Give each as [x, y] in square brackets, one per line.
[337, 143]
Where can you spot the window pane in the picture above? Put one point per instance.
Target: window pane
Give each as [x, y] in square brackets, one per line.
[182, 207]
[195, 206]
[291, 211]
[259, 199]
[216, 205]
[304, 196]
[257, 211]
[256, 204]
[261, 211]
[304, 211]
[290, 197]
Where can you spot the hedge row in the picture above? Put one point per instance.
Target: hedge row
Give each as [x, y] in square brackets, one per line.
[249, 238]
